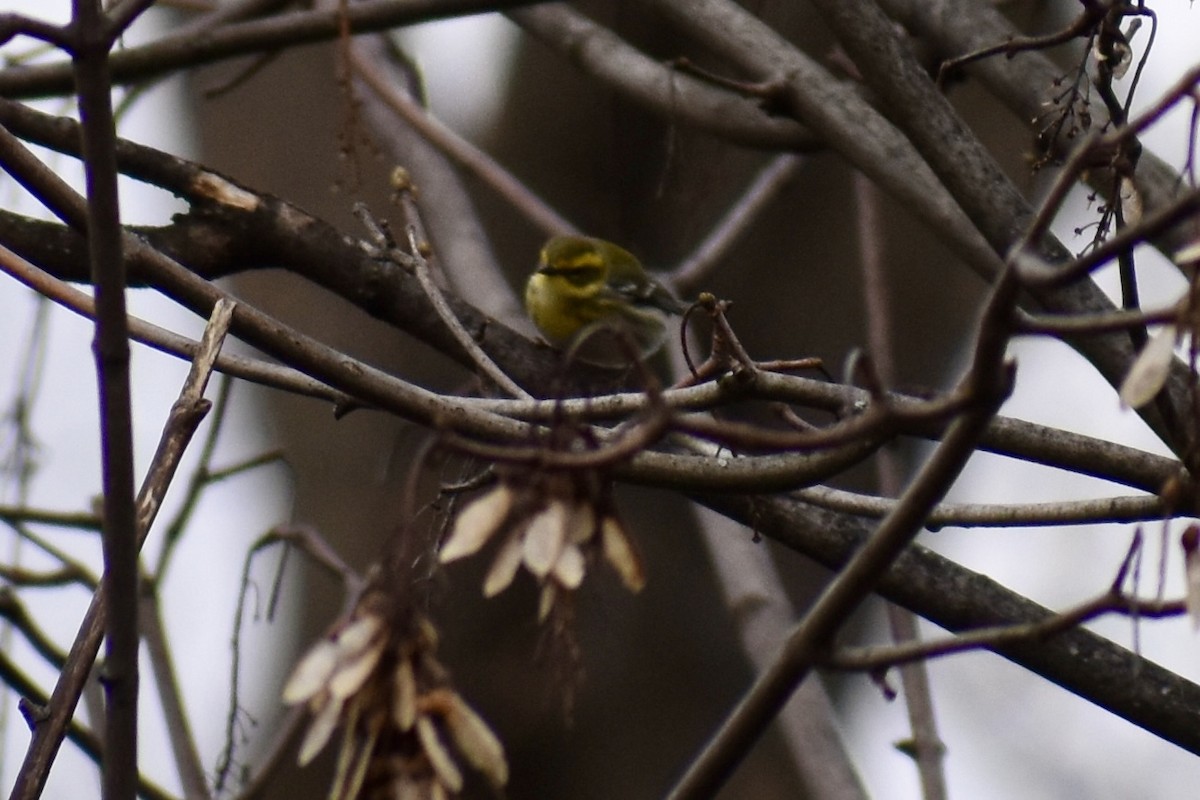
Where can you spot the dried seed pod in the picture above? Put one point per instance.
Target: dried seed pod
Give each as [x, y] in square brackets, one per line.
[353, 672]
[543, 539]
[439, 757]
[476, 741]
[620, 552]
[569, 568]
[504, 567]
[324, 723]
[546, 600]
[404, 701]
[1150, 369]
[311, 675]
[477, 523]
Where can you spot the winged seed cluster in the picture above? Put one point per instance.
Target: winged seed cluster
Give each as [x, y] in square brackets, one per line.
[405, 730]
[553, 528]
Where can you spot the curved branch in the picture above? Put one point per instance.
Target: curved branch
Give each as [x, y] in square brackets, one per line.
[673, 94]
[187, 49]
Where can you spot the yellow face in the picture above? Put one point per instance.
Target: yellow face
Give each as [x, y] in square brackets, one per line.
[546, 308]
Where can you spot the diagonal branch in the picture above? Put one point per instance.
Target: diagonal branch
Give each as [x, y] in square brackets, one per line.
[855, 581]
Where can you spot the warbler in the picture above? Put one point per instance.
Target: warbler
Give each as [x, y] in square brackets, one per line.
[588, 292]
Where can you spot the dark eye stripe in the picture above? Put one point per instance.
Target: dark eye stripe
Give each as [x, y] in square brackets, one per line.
[582, 277]
[576, 274]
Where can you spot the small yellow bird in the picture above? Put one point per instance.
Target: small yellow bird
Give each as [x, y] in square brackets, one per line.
[584, 286]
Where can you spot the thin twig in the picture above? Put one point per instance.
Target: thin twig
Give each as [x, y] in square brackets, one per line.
[82, 520]
[255, 370]
[1078, 27]
[17, 615]
[198, 480]
[384, 83]
[1074, 325]
[763, 190]
[463, 152]
[273, 754]
[1140, 508]
[992, 638]
[179, 729]
[417, 242]
[314, 545]
[927, 748]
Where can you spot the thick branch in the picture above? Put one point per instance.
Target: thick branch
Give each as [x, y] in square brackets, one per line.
[959, 599]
